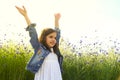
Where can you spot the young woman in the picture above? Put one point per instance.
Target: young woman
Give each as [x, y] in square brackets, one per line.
[46, 62]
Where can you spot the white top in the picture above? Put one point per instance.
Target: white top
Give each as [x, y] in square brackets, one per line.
[50, 69]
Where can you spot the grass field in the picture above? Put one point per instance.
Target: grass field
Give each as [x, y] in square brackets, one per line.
[85, 66]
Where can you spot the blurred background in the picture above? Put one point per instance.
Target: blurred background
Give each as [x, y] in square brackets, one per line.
[82, 21]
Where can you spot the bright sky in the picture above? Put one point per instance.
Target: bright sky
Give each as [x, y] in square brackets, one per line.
[92, 18]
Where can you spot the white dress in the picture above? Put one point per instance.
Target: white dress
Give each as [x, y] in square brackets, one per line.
[50, 69]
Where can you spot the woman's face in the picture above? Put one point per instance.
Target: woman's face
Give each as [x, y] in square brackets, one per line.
[51, 39]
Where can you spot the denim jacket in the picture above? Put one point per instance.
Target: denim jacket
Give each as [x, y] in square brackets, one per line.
[40, 51]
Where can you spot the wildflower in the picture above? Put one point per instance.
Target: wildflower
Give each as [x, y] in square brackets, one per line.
[117, 49]
[94, 43]
[17, 51]
[101, 60]
[87, 62]
[81, 41]
[25, 48]
[79, 54]
[28, 51]
[4, 34]
[118, 60]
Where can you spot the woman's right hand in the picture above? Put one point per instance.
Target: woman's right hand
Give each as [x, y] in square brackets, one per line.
[22, 10]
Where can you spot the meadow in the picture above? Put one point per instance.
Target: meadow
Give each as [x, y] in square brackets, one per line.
[77, 65]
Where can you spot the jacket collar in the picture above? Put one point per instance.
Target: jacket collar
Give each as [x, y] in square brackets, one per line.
[43, 46]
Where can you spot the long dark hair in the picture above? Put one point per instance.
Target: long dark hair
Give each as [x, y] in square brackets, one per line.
[42, 38]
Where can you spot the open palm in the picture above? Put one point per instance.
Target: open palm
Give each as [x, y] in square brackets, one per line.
[22, 10]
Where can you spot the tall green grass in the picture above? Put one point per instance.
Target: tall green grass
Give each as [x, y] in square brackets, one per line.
[13, 60]
[91, 67]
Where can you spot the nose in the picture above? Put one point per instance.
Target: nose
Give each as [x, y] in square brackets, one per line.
[54, 39]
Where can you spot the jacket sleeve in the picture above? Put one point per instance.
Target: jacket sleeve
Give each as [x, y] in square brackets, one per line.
[58, 34]
[33, 36]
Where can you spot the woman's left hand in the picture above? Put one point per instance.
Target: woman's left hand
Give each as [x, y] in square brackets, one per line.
[57, 16]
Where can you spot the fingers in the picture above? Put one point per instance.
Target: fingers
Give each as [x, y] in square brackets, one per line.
[57, 14]
[20, 8]
[24, 8]
[17, 7]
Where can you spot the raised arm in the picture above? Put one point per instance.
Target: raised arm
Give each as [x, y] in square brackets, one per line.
[23, 12]
[57, 18]
[31, 28]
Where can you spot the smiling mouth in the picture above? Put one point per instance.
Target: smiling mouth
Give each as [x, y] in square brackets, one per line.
[52, 43]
